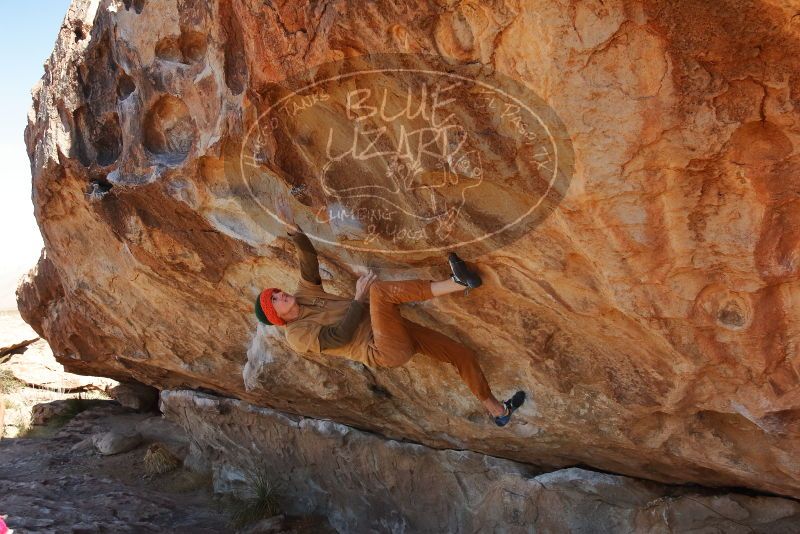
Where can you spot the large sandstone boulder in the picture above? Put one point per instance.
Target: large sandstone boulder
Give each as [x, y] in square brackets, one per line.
[649, 304]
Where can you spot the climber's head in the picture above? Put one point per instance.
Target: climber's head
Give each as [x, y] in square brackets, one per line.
[275, 307]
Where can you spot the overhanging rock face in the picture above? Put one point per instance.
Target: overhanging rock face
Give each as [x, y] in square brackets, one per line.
[364, 483]
[634, 218]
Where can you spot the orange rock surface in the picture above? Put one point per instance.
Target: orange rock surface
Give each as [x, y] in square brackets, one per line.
[651, 312]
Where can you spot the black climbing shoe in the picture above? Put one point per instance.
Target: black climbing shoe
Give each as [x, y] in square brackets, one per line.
[462, 274]
[511, 405]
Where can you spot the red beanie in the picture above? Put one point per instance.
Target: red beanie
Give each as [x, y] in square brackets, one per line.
[265, 299]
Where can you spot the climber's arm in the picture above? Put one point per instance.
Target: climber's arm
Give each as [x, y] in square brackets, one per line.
[339, 334]
[309, 264]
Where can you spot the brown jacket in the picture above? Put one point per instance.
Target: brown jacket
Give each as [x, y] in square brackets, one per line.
[319, 309]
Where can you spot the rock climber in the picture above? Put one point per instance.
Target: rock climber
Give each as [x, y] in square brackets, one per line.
[322, 323]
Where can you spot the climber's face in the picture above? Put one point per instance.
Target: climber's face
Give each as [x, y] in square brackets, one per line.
[282, 302]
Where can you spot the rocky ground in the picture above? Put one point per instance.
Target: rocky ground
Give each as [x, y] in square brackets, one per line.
[35, 365]
[61, 482]
[82, 467]
[19, 401]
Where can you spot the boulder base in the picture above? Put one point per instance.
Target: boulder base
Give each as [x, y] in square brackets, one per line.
[364, 482]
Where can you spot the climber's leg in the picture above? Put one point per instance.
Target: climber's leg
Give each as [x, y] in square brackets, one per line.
[397, 339]
[441, 347]
[445, 286]
[392, 341]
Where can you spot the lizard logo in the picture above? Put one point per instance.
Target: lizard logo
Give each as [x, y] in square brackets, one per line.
[404, 156]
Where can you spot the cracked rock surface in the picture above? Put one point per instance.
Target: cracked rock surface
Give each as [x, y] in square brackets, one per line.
[363, 482]
[652, 315]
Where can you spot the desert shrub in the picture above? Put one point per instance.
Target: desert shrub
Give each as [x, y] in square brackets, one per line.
[23, 424]
[8, 382]
[158, 459]
[259, 501]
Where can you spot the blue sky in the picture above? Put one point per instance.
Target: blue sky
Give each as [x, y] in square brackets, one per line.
[29, 31]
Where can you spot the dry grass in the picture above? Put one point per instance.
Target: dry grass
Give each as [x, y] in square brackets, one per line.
[8, 382]
[158, 460]
[260, 500]
[22, 423]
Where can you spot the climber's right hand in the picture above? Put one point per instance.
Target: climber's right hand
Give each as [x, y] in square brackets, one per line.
[363, 284]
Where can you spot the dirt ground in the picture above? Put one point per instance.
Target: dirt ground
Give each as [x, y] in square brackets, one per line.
[54, 480]
[59, 483]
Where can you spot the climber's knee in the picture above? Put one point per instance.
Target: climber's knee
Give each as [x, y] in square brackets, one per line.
[394, 358]
[378, 287]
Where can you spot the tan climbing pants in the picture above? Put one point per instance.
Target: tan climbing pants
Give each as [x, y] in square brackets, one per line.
[397, 339]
